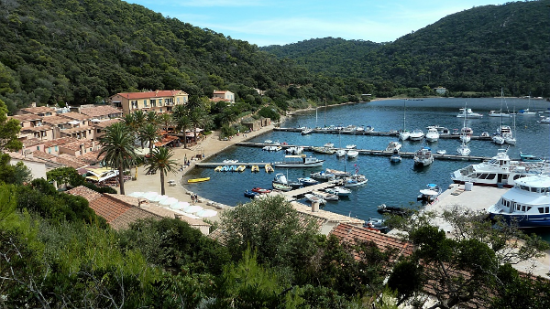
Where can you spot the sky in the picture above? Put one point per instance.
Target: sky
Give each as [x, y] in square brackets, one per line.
[281, 22]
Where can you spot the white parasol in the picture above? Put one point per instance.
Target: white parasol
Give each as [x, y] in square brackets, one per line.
[150, 195]
[137, 194]
[160, 198]
[429, 192]
[168, 201]
[192, 209]
[205, 213]
[179, 205]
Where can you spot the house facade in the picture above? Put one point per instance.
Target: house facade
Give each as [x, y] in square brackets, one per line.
[223, 95]
[159, 101]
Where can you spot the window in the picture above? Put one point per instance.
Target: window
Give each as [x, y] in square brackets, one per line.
[153, 103]
[49, 149]
[491, 176]
[145, 103]
[134, 104]
[37, 147]
[55, 148]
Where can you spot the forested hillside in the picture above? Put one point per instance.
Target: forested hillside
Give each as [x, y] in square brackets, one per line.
[481, 49]
[84, 51]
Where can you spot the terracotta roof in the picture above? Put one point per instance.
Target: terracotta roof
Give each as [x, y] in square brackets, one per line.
[22, 157]
[76, 144]
[32, 142]
[91, 157]
[166, 140]
[70, 161]
[105, 123]
[38, 110]
[55, 120]
[118, 213]
[75, 116]
[76, 130]
[26, 117]
[349, 233]
[43, 155]
[60, 141]
[36, 129]
[221, 91]
[150, 94]
[97, 111]
[219, 99]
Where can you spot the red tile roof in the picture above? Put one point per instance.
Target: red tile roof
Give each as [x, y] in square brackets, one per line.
[105, 123]
[39, 110]
[351, 234]
[60, 141]
[98, 111]
[26, 117]
[32, 142]
[75, 116]
[150, 94]
[55, 120]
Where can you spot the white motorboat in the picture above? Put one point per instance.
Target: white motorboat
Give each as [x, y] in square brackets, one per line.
[429, 194]
[432, 135]
[497, 139]
[392, 146]
[423, 157]
[323, 176]
[441, 151]
[355, 180]
[315, 199]
[352, 154]
[500, 170]
[307, 131]
[340, 191]
[282, 179]
[544, 120]
[526, 204]
[351, 146]
[338, 174]
[341, 153]
[463, 150]
[300, 161]
[329, 145]
[308, 181]
[326, 196]
[295, 150]
[468, 113]
[416, 135]
[494, 113]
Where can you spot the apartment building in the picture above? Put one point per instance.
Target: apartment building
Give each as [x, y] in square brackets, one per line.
[159, 101]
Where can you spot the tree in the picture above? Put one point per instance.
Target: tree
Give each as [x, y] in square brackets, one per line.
[8, 131]
[273, 229]
[183, 123]
[466, 267]
[118, 147]
[161, 160]
[149, 133]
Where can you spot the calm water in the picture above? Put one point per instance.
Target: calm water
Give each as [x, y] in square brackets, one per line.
[391, 184]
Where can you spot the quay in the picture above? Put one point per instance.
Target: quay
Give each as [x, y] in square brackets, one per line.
[216, 164]
[376, 133]
[371, 152]
[300, 192]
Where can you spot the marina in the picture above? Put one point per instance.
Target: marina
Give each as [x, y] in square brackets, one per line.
[394, 184]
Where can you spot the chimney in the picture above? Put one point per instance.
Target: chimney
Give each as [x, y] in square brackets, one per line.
[156, 93]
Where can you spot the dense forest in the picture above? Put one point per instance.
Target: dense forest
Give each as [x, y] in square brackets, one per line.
[79, 52]
[481, 50]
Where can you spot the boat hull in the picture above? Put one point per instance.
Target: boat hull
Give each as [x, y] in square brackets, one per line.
[197, 180]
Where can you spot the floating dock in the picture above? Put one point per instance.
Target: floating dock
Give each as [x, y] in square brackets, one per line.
[367, 152]
[376, 133]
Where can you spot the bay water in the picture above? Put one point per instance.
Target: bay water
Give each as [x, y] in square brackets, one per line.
[390, 184]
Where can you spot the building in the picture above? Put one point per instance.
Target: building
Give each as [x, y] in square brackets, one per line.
[159, 101]
[223, 95]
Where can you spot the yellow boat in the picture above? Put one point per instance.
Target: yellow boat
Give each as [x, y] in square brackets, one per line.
[255, 168]
[218, 168]
[195, 180]
[269, 168]
[241, 168]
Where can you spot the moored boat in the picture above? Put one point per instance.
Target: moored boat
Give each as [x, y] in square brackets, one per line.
[323, 150]
[255, 168]
[500, 170]
[355, 180]
[468, 113]
[250, 194]
[432, 135]
[416, 135]
[315, 199]
[376, 224]
[352, 154]
[308, 181]
[261, 190]
[301, 161]
[340, 191]
[395, 157]
[393, 210]
[196, 180]
[269, 168]
[323, 176]
[393, 145]
[423, 157]
[240, 168]
[429, 194]
[526, 204]
[218, 168]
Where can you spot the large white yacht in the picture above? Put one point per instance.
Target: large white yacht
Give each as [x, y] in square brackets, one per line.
[432, 135]
[500, 170]
[527, 204]
[423, 157]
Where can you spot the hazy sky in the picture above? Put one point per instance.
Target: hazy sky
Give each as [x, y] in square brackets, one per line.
[267, 22]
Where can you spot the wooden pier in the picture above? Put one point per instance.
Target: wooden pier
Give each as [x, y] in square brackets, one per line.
[300, 192]
[376, 133]
[371, 152]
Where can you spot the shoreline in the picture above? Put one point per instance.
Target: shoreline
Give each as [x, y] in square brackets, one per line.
[206, 147]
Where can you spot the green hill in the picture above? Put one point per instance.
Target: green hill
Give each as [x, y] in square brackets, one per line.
[84, 51]
[481, 49]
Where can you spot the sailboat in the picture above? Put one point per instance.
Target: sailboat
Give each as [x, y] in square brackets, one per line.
[463, 149]
[404, 134]
[509, 138]
[465, 132]
[340, 152]
[527, 111]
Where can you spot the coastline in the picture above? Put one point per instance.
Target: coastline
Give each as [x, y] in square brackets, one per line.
[208, 147]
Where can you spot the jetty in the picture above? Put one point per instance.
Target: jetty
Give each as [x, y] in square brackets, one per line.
[371, 152]
[302, 191]
[375, 133]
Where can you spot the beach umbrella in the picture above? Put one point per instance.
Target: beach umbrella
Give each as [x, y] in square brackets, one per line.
[136, 194]
[179, 205]
[205, 213]
[169, 201]
[160, 198]
[150, 195]
[192, 209]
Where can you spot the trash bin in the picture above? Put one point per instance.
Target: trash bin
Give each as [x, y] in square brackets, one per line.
[468, 186]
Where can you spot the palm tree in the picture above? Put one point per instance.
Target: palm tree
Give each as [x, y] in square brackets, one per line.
[118, 147]
[161, 161]
[199, 118]
[165, 119]
[183, 124]
[152, 117]
[150, 134]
